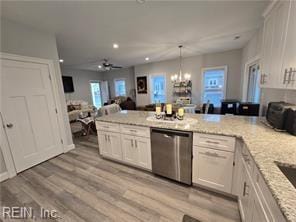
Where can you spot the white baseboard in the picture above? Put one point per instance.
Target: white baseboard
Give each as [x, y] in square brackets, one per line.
[69, 147]
[4, 176]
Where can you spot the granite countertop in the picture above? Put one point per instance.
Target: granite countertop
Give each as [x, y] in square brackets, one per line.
[266, 146]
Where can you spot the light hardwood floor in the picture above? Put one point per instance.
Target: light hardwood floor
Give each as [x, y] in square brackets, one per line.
[82, 186]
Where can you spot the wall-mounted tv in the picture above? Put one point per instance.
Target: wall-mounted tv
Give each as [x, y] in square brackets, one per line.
[68, 84]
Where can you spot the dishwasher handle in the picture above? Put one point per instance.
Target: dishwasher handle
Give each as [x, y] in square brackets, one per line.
[171, 133]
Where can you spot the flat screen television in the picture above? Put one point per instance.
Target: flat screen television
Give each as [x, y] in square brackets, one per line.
[68, 84]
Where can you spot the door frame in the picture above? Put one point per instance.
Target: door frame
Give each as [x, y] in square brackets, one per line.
[250, 62]
[6, 150]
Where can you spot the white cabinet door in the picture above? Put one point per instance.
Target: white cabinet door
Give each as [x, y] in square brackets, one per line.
[129, 151]
[281, 13]
[289, 59]
[267, 50]
[258, 213]
[245, 195]
[143, 148]
[104, 144]
[213, 168]
[115, 145]
[275, 27]
[29, 112]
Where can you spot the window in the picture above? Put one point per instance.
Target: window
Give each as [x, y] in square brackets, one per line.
[96, 94]
[158, 89]
[214, 80]
[253, 84]
[120, 87]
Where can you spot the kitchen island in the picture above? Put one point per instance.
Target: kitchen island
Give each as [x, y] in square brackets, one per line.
[266, 147]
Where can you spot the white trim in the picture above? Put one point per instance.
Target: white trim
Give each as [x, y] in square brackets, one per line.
[119, 79]
[69, 147]
[247, 65]
[4, 176]
[8, 158]
[225, 67]
[150, 76]
[269, 8]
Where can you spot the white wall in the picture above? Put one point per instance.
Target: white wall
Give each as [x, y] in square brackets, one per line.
[274, 95]
[22, 40]
[194, 65]
[81, 84]
[81, 80]
[128, 74]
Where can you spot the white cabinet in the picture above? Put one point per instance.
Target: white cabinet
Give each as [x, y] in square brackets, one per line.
[288, 70]
[213, 159]
[256, 202]
[267, 50]
[213, 168]
[104, 148]
[136, 150]
[258, 213]
[129, 149]
[115, 146]
[278, 49]
[126, 143]
[143, 146]
[245, 202]
[109, 144]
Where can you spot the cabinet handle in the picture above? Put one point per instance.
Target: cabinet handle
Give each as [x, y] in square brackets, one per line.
[214, 155]
[245, 192]
[133, 131]
[109, 139]
[136, 143]
[291, 75]
[213, 142]
[263, 78]
[285, 76]
[132, 142]
[246, 157]
[106, 138]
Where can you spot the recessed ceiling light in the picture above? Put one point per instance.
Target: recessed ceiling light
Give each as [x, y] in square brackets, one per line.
[236, 37]
[99, 66]
[115, 46]
[61, 60]
[147, 58]
[141, 1]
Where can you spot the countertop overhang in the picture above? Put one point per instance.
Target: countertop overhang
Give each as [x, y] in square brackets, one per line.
[266, 146]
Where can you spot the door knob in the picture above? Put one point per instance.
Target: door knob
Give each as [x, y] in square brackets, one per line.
[9, 125]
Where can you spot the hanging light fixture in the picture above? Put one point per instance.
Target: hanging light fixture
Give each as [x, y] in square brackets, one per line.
[179, 78]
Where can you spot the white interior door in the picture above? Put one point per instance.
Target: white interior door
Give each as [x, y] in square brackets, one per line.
[29, 113]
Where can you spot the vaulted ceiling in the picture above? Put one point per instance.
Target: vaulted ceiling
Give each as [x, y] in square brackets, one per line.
[86, 30]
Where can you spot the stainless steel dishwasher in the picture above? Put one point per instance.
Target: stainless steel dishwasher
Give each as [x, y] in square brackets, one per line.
[172, 154]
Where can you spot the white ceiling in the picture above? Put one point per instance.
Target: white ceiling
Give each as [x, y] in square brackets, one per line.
[86, 30]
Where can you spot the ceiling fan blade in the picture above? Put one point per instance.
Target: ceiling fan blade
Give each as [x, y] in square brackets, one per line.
[116, 67]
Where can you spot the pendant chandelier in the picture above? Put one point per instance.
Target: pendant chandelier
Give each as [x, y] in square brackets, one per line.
[179, 78]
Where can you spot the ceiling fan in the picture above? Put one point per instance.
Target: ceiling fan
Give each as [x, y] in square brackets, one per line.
[109, 66]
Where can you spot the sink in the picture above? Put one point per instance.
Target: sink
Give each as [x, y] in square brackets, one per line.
[290, 173]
